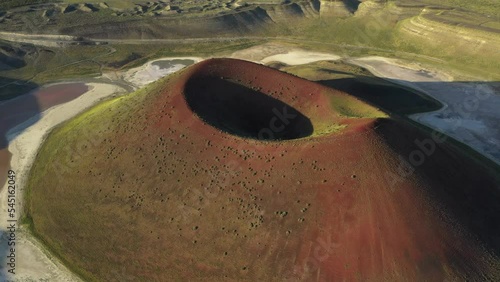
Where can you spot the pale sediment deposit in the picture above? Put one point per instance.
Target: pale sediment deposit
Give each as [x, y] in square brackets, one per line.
[33, 262]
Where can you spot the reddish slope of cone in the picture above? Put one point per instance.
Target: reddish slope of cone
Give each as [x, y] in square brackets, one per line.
[173, 191]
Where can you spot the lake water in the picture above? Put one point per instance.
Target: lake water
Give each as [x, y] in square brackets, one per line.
[29, 108]
[169, 64]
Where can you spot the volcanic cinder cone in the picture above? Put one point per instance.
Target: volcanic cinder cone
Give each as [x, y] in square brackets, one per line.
[230, 170]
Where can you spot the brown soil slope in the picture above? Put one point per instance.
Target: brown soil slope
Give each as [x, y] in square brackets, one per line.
[176, 183]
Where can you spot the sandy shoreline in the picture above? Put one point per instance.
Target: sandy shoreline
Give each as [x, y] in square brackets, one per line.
[33, 263]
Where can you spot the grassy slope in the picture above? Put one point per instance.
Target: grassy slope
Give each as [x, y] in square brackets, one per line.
[488, 7]
[69, 144]
[341, 35]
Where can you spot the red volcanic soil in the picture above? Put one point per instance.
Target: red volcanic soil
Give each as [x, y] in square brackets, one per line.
[182, 183]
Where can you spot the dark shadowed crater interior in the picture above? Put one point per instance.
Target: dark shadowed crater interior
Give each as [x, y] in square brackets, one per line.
[243, 111]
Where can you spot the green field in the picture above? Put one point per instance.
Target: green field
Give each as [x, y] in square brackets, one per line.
[382, 32]
[47, 64]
